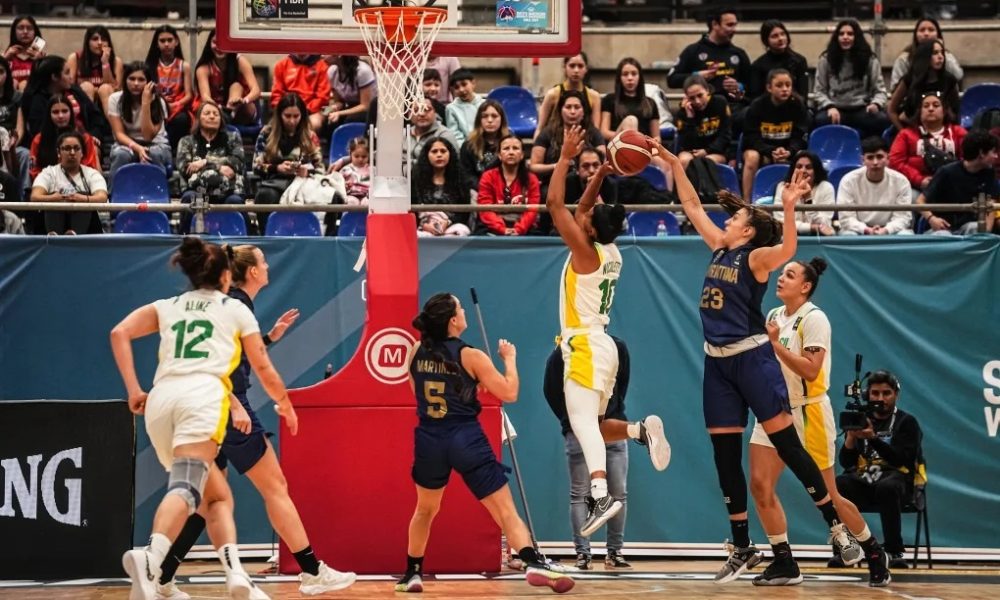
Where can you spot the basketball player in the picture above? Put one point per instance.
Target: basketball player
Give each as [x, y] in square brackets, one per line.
[246, 446]
[741, 371]
[444, 374]
[800, 335]
[586, 292]
[201, 334]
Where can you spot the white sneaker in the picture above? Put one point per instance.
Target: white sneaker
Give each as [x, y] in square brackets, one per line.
[170, 591]
[139, 566]
[848, 547]
[327, 580]
[241, 587]
[652, 437]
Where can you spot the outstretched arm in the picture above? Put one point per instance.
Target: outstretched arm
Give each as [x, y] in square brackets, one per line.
[765, 260]
[695, 212]
[585, 259]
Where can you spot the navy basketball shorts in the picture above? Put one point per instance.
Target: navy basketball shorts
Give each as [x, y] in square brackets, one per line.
[735, 385]
[462, 447]
[243, 450]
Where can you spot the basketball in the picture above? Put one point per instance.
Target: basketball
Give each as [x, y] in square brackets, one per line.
[629, 152]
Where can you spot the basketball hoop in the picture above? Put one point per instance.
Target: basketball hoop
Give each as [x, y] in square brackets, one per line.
[399, 40]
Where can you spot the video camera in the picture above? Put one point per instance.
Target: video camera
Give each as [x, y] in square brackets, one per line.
[860, 409]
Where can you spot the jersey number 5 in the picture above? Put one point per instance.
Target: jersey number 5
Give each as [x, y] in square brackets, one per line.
[712, 297]
[189, 350]
[608, 294]
[437, 404]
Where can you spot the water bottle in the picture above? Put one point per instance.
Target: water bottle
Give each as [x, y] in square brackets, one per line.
[661, 229]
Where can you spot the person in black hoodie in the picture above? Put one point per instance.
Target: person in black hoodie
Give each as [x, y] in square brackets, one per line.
[714, 57]
[48, 77]
[703, 123]
[775, 127]
[778, 55]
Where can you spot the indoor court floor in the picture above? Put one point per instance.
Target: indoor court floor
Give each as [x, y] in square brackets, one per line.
[673, 580]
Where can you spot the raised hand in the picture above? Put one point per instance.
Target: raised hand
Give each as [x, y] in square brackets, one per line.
[283, 323]
[506, 349]
[796, 189]
[572, 142]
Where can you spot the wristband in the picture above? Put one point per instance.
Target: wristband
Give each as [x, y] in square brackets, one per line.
[267, 339]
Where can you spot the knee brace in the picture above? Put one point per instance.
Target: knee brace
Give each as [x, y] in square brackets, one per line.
[188, 477]
[728, 449]
[794, 454]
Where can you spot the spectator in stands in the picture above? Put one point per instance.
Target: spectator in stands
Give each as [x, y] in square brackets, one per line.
[10, 104]
[23, 50]
[304, 74]
[138, 119]
[778, 54]
[227, 79]
[445, 66]
[510, 182]
[353, 87]
[587, 164]
[211, 161]
[432, 89]
[576, 69]
[821, 193]
[880, 461]
[775, 127]
[50, 77]
[70, 181]
[425, 126]
[849, 86]
[461, 112]
[438, 179]
[628, 107]
[10, 191]
[44, 152]
[926, 29]
[924, 147]
[874, 183]
[173, 80]
[95, 67]
[962, 182]
[357, 174]
[926, 75]
[286, 147]
[482, 150]
[714, 57]
[570, 110]
[704, 124]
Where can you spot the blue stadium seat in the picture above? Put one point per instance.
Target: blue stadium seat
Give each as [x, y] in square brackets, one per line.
[719, 217]
[730, 181]
[838, 173]
[836, 145]
[643, 224]
[341, 138]
[134, 221]
[141, 182]
[667, 132]
[655, 177]
[976, 99]
[520, 107]
[293, 224]
[353, 224]
[766, 180]
[253, 130]
[225, 223]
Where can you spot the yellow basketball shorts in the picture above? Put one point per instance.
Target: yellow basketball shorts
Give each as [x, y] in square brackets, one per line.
[590, 358]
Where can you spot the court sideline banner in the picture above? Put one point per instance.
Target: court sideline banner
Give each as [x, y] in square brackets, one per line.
[926, 309]
[66, 508]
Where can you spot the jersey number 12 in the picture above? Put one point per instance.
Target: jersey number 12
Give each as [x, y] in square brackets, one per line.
[190, 349]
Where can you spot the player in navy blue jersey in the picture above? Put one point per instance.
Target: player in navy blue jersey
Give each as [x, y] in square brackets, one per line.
[444, 375]
[741, 370]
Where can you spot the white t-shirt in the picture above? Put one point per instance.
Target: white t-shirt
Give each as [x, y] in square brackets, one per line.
[200, 334]
[808, 327]
[349, 92]
[55, 179]
[134, 129]
[894, 189]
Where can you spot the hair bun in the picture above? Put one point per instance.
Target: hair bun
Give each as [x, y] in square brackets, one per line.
[819, 264]
[419, 324]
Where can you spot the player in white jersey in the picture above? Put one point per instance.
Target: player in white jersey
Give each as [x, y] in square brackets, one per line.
[801, 337]
[586, 293]
[202, 333]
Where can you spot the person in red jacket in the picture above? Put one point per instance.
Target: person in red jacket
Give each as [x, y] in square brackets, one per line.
[304, 74]
[510, 182]
[908, 154]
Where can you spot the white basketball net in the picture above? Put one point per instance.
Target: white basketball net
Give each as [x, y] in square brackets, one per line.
[398, 58]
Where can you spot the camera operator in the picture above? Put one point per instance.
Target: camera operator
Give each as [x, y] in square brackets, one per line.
[880, 459]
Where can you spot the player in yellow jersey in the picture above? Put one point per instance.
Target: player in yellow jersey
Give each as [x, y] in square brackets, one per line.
[586, 293]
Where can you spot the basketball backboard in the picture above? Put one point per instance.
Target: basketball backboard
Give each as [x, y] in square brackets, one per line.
[507, 28]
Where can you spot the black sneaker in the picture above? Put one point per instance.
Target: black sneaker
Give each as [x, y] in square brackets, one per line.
[878, 568]
[739, 562]
[615, 560]
[601, 511]
[783, 570]
[583, 561]
[896, 561]
[836, 562]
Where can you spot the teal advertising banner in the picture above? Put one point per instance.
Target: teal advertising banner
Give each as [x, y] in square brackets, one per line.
[924, 308]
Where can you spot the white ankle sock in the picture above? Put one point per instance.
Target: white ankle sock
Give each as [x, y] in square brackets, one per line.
[229, 556]
[598, 487]
[778, 539]
[864, 535]
[633, 430]
[159, 545]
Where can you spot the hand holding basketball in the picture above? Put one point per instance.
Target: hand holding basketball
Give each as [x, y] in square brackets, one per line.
[572, 143]
[661, 151]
